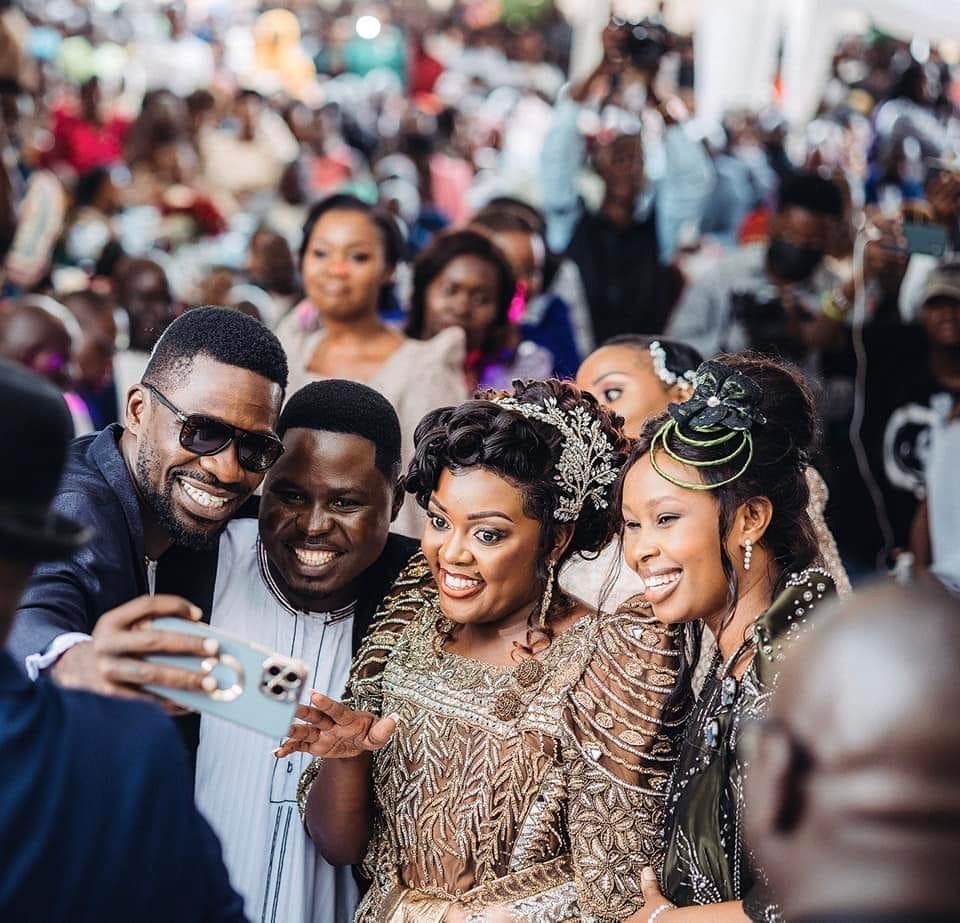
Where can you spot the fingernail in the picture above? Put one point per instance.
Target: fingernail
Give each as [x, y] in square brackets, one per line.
[211, 645]
[276, 753]
[196, 613]
[394, 717]
[209, 684]
[648, 874]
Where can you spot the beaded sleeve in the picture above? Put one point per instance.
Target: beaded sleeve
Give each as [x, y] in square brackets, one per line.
[829, 556]
[411, 592]
[402, 604]
[622, 741]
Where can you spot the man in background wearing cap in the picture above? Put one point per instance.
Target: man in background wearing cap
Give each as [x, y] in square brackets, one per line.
[852, 799]
[912, 386]
[96, 816]
[935, 528]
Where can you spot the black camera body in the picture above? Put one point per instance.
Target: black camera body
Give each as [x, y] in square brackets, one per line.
[647, 41]
[764, 318]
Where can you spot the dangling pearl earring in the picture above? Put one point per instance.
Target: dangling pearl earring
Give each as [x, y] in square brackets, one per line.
[747, 553]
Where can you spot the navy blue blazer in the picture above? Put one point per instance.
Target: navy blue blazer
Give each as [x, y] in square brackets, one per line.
[70, 595]
[97, 820]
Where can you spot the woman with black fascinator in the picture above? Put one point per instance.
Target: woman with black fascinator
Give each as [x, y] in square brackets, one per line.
[714, 499]
[503, 751]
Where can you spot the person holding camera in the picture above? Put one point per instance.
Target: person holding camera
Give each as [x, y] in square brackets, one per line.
[622, 249]
[769, 297]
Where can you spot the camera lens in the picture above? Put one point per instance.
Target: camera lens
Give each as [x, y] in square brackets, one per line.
[278, 690]
[274, 670]
[291, 677]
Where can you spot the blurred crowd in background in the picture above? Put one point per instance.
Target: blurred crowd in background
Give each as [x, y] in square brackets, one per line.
[161, 156]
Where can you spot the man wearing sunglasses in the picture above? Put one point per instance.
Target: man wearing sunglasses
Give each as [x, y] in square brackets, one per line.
[97, 820]
[196, 440]
[852, 798]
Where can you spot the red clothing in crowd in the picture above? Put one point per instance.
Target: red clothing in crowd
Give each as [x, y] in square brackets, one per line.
[84, 145]
[424, 72]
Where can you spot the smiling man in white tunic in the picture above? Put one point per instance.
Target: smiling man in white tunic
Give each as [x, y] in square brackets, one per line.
[304, 581]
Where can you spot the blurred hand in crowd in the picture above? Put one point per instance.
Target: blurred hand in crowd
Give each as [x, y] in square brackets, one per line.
[943, 194]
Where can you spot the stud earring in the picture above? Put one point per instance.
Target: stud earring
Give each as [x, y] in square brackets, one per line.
[547, 596]
[747, 553]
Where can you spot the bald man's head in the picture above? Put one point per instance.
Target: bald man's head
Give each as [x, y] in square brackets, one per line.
[857, 764]
[38, 339]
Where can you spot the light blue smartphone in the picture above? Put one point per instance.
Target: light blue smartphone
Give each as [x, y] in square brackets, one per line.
[256, 688]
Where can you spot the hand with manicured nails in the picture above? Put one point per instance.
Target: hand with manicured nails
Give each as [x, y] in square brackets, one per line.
[332, 730]
[112, 663]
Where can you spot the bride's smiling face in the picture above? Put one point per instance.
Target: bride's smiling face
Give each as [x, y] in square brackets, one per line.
[482, 547]
[671, 538]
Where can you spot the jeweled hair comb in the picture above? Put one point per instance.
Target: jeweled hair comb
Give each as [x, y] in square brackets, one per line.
[585, 469]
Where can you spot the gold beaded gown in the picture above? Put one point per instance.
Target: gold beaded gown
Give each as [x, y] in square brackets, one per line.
[537, 790]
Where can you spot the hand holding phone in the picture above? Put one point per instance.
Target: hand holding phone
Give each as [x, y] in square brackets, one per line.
[243, 682]
[112, 663]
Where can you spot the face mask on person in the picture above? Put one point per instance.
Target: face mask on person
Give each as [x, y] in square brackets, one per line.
[790, 262]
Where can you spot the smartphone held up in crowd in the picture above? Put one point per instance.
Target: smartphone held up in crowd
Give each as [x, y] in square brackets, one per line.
[256, 688]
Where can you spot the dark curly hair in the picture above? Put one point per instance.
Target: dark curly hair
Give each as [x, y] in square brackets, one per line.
[524, 452]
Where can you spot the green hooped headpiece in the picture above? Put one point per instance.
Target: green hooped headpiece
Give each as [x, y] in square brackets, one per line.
[720, 415]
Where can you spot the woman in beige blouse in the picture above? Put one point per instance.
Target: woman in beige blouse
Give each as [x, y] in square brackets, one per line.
[348, 257]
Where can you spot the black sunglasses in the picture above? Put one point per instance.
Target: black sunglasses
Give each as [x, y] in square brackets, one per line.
[207, 436]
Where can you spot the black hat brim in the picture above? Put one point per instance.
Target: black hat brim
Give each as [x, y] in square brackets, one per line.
[49, 537]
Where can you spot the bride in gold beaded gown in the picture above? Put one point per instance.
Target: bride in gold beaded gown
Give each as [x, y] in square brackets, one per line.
[503, 752]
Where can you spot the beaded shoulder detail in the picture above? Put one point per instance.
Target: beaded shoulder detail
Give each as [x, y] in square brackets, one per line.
[790, 617]
[411, 593]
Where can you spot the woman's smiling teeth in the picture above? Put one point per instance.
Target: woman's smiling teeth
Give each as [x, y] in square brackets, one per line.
[659, 586]
[201, 497]
[314, 558]
[459, 583]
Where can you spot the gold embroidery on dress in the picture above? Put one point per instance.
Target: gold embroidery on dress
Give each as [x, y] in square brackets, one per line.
[533, 788]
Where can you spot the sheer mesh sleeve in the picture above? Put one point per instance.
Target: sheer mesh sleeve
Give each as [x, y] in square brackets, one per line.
[623, 740]
[399, 607]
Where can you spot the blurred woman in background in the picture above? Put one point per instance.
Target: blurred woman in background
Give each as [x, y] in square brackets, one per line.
[347, 261]
[462, 279]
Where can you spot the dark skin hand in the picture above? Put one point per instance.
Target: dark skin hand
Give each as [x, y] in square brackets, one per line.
[122, 638]
[335, 730]
[883, 256]
[943, 193]
[345, 737]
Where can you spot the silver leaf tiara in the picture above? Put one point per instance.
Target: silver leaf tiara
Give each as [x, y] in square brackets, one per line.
[585, 469]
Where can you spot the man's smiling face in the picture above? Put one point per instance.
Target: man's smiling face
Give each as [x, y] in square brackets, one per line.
[192, 496]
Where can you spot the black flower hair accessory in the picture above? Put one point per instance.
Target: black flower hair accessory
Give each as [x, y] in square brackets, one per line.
[722, 399]
[719, 416]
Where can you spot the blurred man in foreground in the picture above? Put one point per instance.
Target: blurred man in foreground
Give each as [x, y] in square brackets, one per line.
[854, 804]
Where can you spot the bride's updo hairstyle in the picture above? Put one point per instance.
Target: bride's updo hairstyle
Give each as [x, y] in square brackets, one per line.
[748, 431]
[526, 452]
